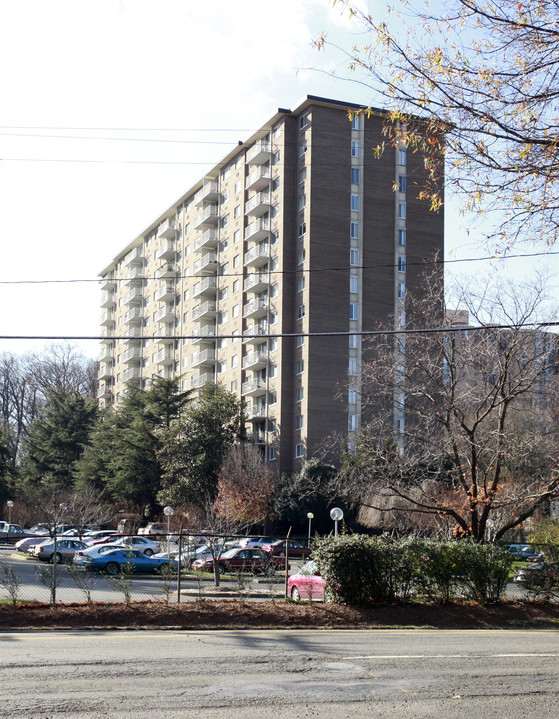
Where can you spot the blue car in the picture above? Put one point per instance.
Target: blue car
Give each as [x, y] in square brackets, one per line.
[122, 559]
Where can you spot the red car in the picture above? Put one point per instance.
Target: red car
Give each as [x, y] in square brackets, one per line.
[242, 559]
[307, 583]
[296, 549]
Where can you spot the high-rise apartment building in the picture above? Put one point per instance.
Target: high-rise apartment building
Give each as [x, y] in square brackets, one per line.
[298, 231]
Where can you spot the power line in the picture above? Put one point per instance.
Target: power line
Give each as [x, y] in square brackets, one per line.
[421, 263]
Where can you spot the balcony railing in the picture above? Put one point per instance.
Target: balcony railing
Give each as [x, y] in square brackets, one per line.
[205, 357]
[206, 286]
[108, 318]
[207, 239]
[134, 257]
[206, 309]
[256, 411]
[132, 374]
[208, 193]
[207, 264]
[201, 334]
[167, 251]
[255, 360]
[199, 380]
[135, 276]
[166, 314]
[258, 229]
[258, 205]
[255, 308]
[259, 153]
[167, 293]
[258, 179]
[256, 282]
[254, 387]
[134, 297]
[167, 229]
[165, 357]
[133, 316]
[258, 255]
[208, 216]
[166, 272]
[255, 334]
[132, 356]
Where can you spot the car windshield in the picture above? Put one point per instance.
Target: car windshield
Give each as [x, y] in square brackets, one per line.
[230, 553]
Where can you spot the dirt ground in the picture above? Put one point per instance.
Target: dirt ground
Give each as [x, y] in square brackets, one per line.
[236, 614]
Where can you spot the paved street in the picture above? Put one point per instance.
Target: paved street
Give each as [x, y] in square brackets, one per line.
[277, 674]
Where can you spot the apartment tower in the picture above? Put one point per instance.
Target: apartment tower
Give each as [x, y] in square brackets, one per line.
[262, 276]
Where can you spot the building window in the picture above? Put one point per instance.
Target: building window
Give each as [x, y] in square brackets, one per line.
[236, 261]
[299, 394]
[272, 397]
[235, 311]
[301, 202]
[237, 211]
[354, 148]
[302, 148]
[302, 174]
[402, 210]
[298, 451]
[353, 311]
[352, 395]
[300, 284]
[234, 385]
[300, 312]
[402, 183]
[221, 367]
[273, 318]
[355, 175]
[401, 264]
[353, 342]
[355, 203]
[352, 422]
[224, 293]
[275, 184]
[353, 283]
[299, 366]
[238, 186]
[303, 121]
[302, 228]
[226, 172]
[402, 157]
[299, 421]
[402, 238]
[300, 257]
[352, 365]
[354, 230]
[354, 257]
[236, 236]
[272, 455]
[235, 361]
[400, 426]
[225, 197]
[401, 290]
[225, 221]
[273, 371]
[355, 122]
[273, 344]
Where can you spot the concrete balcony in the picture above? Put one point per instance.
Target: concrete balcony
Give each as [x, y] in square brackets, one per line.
[258, 205]
[167, 271]
[208, 193]
[258, 179]
[205, 357]
[108, 301]
[256, 282]
[256, 308]
[134, 277]
[207, 286]
[105, 372]
[133, 317]
[167, 251]
[105, 392]
[165, 357]
[108, 284]
[206, 265]
[259, 153]
[167, 293]
[134, 257]
[258, 256]
[256, 411]
[255, 360]
[133, 374]
[166, 314]
[258, 437]
[108, 318]
[255, 334]
[203, 334]
[107, 337]
[165, 335]
[207, 240]
[167, 229]
[132, 356]
[204, 311]
[199, 380]
[208, 216]
[134, 297]
[258, 230]
[254, 387]
[134, 334]
[107, 355]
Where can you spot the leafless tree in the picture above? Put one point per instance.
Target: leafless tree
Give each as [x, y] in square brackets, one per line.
[478, 449]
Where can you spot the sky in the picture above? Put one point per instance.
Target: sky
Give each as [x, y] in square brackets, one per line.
[112, 109]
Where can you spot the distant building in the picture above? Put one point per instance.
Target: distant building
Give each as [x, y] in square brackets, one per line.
[298, 231]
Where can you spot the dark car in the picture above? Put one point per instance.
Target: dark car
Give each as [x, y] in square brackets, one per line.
[295, 549]
[242, 559]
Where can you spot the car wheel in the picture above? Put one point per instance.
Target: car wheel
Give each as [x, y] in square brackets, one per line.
[270, 570]
[149, 552]
[112, 568]
[56, 558]
[166, 568]
[295, 594]
[221, 569]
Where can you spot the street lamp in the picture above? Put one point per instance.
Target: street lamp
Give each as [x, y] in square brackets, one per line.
[310, 517]
[10, 505]
[336, 514]
[168, 512]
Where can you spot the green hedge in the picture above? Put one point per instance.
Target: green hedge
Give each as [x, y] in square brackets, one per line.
[362, 570]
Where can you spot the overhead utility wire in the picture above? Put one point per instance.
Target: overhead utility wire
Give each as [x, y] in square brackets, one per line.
[294, 335]
[421, 263]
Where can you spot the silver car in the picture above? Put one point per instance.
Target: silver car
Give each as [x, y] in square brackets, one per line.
[65, 550]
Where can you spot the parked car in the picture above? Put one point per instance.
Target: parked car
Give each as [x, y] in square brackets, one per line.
[296, 548]
[155, 528]
[144, 544]
[540, 575]
[119, 559]
[26, 544]
[65, 550]
[102, 537]
[521, 551]
[12, 533]
[307, 583]
[242, 559]
[256, 541]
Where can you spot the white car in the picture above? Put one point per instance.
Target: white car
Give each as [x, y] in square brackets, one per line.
[97, 550]
[144, 544]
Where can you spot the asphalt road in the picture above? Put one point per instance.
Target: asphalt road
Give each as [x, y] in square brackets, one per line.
[276, 674]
